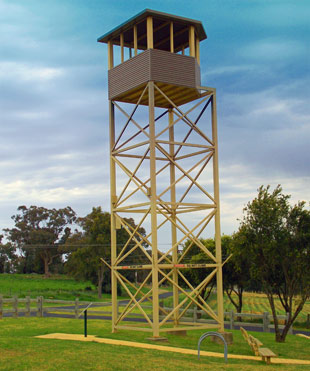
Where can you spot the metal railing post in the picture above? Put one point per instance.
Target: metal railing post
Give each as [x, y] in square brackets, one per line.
[85, 323]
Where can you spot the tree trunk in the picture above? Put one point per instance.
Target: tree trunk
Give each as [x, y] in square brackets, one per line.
[291, 319]
[46, 267]
[100, 281]
[279, 338]
[239, 303]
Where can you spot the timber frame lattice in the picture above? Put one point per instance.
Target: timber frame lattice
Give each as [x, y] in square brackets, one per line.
[160, 164]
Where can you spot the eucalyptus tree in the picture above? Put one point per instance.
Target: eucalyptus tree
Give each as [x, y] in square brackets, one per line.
[92, 242]
[39, 233]
[276, 239]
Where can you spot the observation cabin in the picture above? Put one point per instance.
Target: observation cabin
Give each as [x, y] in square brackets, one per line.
[159, 47]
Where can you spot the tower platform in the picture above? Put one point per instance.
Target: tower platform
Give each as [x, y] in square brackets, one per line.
[178, 76]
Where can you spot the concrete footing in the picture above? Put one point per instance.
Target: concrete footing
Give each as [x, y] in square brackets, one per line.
[228, 336]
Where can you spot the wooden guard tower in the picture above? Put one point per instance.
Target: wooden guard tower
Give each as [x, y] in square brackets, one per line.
[163, 168]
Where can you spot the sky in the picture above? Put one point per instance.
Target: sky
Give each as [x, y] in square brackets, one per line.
[54, 104]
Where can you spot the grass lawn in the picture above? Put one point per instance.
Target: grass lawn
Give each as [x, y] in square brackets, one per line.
[20, 350]
[255, 303]
[54, 287]
[66, 288]
[59, 287]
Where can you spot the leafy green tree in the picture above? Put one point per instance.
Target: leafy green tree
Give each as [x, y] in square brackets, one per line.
[7, 257]
[236, 271]
[277, 242]
[37, 234]
[94, 242]
[196, 256]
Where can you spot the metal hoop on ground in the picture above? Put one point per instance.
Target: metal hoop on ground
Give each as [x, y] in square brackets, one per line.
[213, 334]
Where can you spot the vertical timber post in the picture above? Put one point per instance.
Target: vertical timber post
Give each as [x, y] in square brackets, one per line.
[173, 217]
[218, 248]
[27, 314]
[197, 47]
[1, 306]
[149, 32]
[122, 46]
[76, 308]
[135, 39]
[192, 41]
[153, 210]
[15, 306]
[113, 221]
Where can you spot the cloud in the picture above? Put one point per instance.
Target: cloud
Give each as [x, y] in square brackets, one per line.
[54, 108]
[239, 184]
[27, 72]
[273, 50]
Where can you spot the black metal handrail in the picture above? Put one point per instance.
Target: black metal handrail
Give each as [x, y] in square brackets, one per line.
[85, 319]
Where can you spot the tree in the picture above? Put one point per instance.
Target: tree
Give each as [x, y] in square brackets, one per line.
[277, 241]
[93, 243]
[7, 257]
[38, 233]
[196, 256]
[236, 272]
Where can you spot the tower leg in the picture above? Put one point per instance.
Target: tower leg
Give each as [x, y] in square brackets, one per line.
[153, 211]
[218, 248]
[113, 222]
[173, 217]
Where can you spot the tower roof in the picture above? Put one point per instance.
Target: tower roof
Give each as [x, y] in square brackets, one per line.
[161, 24]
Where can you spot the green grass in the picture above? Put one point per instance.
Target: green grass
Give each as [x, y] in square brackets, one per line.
[59, 287]
[252, 303]
[65, 288]
[54, 287]
[20, 350]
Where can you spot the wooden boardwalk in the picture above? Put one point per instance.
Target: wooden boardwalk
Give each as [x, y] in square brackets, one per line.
[92, 338]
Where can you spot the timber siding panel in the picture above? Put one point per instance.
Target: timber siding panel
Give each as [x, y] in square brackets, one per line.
[153, 65]
[130, 74]
[174, 69]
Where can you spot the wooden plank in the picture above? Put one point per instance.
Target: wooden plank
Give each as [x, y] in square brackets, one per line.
[110, 55]
[266, 352]
[150, 42]
[69, 302]
[197, 50]
[171, 38]
[266, 355]
[55, 309]
[303, 336]
[122, 46]
[135, 39]
[192, 41]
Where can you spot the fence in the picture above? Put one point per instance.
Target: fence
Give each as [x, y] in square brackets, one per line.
[265, 324]
[42, 306]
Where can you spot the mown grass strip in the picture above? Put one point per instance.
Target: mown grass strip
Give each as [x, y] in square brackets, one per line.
[20, 350]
